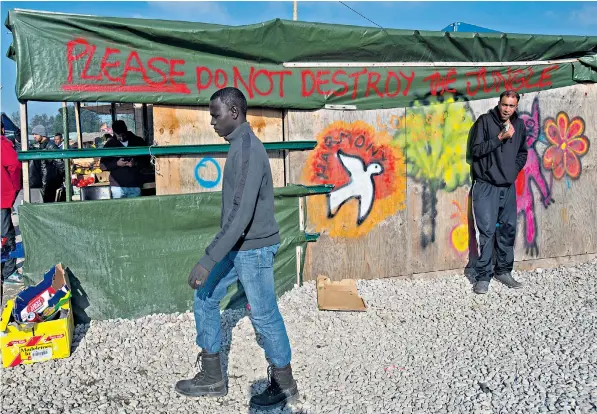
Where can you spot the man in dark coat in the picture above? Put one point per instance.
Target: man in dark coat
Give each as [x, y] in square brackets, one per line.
[499, 151]
[125, 172]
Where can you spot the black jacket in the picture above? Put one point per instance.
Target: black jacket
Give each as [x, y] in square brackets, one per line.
[46, 173]
[125, 176]
[494, 161]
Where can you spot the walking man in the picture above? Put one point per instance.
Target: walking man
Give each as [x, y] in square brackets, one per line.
[244, 250]
[499, 152]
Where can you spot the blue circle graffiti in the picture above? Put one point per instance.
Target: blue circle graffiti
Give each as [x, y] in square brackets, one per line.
[203, 164]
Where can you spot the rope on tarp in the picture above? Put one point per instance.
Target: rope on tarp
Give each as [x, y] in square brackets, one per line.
[152, 160]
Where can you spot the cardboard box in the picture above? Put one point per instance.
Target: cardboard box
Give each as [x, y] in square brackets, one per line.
[102, 177]
[338, 296]
[36, 342]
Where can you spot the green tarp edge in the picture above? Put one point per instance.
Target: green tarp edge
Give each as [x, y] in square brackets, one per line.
[589, 61]
[131, 257]
[586, 69]
[584, 73]
[277, 41]
[59, 58]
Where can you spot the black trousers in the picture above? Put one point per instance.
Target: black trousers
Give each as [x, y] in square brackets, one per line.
[494, 214]
[8, 231]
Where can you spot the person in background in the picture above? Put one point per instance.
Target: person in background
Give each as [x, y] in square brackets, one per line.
[41, 139]
[244, 250]
[125, 172]
[45, 174]
[499, 151]
[11, 184]
[59, 141]
[105, 138]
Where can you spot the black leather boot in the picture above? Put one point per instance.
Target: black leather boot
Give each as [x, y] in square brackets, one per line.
[508, 280]
[281, 389]
[208, 382]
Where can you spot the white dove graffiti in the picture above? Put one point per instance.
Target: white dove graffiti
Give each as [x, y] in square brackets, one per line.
[360, 186]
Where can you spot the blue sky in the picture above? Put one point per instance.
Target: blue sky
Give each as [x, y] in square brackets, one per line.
[565, 18]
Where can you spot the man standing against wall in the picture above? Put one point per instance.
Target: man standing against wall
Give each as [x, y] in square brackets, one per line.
[499, 152]
[244, 250]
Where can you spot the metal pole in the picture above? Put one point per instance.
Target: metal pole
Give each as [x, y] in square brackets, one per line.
[422, 64]
[25, 147]
[295, 10]
[78, 122]
[67, 182]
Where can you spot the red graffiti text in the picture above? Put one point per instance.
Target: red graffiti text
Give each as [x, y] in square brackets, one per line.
[158, 74]
[339, 83]
[258, 82]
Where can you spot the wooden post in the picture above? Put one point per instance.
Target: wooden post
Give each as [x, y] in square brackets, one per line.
[285, 137]
[67, 179]
[145, 119]
[295, 10]
[113, 111]
[299, 249]
[25, 147]
[77, 122]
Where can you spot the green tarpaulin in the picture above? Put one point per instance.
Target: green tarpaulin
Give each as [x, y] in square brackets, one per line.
[132, 257]
[586, 69]
[63, 57]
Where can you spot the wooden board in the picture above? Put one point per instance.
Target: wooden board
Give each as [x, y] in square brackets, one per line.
[565, 227]
[178, 125]
[568, 226]
[438, 184]
[441, 242]
[427, 226]
[376, 247]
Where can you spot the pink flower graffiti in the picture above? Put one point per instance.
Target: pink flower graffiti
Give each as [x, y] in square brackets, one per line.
[568, 144]
[525, 204]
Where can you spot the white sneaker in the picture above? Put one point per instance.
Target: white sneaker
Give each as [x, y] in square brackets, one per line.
[14, 279]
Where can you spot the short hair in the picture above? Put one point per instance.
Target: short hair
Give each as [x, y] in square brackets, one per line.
[119, 127]
[231, 97]
[510, 94]
[58, 134]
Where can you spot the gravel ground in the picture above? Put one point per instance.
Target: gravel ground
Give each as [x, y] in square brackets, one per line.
[423, 346]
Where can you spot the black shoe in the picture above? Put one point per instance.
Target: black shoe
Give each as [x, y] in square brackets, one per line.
[481, 287]
[508, 280]
[281, 389]
[209, 380]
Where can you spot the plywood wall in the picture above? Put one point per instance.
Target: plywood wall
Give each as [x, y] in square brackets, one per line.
[418, 217]
[352, 244]
[428, 227]
[174, 125]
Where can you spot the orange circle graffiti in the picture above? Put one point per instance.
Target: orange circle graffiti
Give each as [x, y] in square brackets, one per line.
[323, 166]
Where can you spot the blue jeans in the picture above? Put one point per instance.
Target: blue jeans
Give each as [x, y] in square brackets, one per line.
[125, 192]
[255, 270]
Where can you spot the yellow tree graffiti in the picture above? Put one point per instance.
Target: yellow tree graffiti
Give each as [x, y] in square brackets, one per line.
[434, 141]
